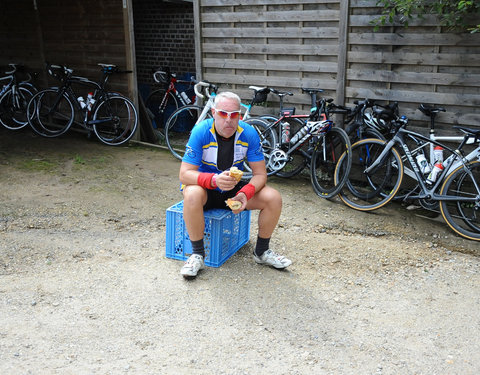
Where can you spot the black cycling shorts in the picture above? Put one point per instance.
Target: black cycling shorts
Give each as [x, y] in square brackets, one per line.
[216, 199]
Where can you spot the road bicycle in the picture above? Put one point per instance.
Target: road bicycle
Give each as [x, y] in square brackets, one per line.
[111, 116]
[182, 121]
[316, 143]
[361, 123]
[285, 124]
[378, 169]
[163, 101]
[14, 97]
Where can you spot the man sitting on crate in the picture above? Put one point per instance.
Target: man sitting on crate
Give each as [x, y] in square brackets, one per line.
[213, 148]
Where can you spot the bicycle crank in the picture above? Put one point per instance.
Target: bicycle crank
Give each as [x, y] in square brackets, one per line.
[277, 160]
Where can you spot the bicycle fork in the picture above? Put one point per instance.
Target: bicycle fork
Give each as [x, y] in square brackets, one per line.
[380, 159]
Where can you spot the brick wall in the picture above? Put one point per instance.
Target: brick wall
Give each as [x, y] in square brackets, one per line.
[164, 36]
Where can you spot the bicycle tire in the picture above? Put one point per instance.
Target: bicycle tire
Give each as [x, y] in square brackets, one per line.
[462, 217]
[50, 114]
[115, 120]
[179, 126]
[326, 153]
[13, 108]
[268, 141]
[367, 192]
[161, 113]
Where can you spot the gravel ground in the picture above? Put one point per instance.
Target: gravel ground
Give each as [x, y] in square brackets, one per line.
[85, 287]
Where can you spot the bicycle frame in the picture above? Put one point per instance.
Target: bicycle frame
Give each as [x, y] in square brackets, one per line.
[99, 95]
[6, 86]
[426, 191]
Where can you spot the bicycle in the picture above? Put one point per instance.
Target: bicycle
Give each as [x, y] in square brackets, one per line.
[182, 121]
[317, 143]
[283, 126]
[162, 102]
[14, 97]
[111, 116]
[378, 169]
[361, 124]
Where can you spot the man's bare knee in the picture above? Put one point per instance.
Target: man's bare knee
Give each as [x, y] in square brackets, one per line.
[194, 195]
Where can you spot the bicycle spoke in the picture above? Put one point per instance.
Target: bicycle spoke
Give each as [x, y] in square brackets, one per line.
[369, 191]
[463, 216]
[326, 154]
[115, 120]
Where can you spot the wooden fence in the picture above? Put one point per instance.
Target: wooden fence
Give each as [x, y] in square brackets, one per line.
[330, 44]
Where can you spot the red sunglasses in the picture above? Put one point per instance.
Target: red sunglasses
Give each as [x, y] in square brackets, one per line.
[225, 114]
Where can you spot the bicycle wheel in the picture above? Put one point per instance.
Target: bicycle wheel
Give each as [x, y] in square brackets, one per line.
[161, 107]
[115, 120]
[463, 217]
[367, 192]
[13, 108]
[268, 140]
[50, 113]
[179, 126]
[326, 153]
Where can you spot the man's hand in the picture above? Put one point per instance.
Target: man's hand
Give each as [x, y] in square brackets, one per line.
[242, 198]
[225, 182]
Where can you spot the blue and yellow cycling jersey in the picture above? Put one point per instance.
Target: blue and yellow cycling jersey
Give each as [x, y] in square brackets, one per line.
[202, 146]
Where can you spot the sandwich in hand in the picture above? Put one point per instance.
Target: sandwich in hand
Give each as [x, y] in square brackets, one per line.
[233, 204]
[237, 173]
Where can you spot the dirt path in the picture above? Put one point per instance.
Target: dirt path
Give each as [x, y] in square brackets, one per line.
[85, 287]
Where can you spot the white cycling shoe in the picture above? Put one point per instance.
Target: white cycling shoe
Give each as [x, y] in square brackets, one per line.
[193, 264]
[270, 258]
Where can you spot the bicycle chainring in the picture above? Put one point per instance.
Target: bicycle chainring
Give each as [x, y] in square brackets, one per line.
[429, 204]
[277, 160]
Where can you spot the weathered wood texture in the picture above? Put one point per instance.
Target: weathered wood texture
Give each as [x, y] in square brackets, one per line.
[289, 44]
[79, 34]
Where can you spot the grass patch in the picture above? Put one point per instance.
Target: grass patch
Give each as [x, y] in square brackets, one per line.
[98, 162]
[78, 160]
[39, 165]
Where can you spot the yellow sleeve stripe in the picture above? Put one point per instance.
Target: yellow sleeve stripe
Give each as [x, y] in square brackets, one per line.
[211, 144]
[244, 144]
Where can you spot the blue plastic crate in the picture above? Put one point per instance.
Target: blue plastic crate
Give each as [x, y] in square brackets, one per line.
[225, 233]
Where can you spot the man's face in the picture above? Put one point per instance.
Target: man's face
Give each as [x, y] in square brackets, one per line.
[226, 116]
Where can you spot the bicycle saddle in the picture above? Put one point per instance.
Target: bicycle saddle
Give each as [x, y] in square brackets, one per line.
[475, 132]
[430, 110]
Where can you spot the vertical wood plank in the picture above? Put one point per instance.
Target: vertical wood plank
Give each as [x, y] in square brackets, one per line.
[130, 56]
[197, 16]
[342, 51]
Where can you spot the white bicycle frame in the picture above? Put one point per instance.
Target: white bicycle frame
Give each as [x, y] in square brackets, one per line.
[445, 138]
[452, 138]
[198, 88]
[203, 86]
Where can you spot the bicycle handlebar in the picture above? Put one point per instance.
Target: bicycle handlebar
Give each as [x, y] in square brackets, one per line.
[204, 86]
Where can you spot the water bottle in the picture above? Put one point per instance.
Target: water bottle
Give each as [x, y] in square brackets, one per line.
[300, 134]
[423, 164]
[437, 169]
[285, 132]
[438, 154]
[185, 97]
[449, 161]
[81, 101]
[90, 101]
